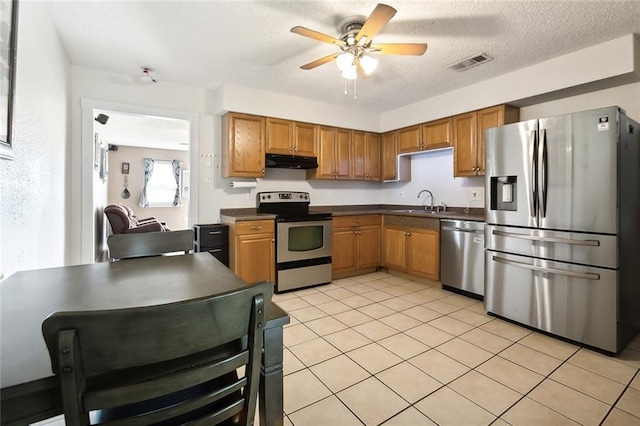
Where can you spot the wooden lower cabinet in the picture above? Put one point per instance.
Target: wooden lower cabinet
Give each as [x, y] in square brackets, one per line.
[356, 243]
[252, 250]
[412, 250]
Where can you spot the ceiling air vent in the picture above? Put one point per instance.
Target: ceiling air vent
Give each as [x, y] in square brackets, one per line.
[471, 62]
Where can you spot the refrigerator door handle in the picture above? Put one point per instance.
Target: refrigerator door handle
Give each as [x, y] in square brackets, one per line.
[587, 275]
[591, 243]
[533, 204]
[543, 173]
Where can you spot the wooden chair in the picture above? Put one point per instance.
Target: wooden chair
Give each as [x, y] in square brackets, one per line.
[122, 246]
[166, 364]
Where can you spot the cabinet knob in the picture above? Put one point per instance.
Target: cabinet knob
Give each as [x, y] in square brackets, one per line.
[408, 234]
[273, 240]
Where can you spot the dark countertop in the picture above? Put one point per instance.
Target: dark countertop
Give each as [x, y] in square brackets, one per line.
[475, 214]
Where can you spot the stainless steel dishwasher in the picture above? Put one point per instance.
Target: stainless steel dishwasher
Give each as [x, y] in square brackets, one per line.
[462, 256]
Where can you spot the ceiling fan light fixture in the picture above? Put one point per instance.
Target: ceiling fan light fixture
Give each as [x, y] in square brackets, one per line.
[344, 61]
[351, 73]
[368, 64]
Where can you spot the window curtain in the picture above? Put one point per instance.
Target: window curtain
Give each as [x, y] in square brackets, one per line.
[148, 171]
[177, 167]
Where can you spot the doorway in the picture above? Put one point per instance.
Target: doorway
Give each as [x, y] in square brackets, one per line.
[116, 140]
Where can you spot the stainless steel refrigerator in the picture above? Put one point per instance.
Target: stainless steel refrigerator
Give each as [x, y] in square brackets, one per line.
[562, 241]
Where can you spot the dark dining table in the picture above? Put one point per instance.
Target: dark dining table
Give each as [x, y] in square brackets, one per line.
[30, 391]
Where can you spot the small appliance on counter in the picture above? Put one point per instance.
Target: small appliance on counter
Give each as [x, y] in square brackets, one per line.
[303, 240]
[562, 236]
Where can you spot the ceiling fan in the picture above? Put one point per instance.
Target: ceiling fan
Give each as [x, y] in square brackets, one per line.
[356, 44]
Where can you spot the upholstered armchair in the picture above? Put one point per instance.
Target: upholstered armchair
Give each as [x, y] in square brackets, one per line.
[123, 221]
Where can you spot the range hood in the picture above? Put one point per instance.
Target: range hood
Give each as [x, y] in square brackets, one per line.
[291, 162]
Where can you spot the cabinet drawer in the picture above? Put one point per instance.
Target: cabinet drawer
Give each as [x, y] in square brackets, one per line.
[255, 227]
[220, 253]
[364, 220]
[211, 235]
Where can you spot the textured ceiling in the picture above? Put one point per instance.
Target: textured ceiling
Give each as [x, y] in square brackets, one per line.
[205, 43]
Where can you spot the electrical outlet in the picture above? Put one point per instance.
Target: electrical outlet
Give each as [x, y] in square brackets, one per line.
[401, 194]
[476, 194]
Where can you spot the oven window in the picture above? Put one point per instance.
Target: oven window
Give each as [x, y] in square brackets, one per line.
[306, 238]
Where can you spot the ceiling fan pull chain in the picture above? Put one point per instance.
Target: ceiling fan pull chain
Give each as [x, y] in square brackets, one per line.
[355, 89]
[345, 86]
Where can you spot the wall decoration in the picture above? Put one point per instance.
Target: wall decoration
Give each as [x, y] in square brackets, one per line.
[125, 168]
[8, 53]
[104, 163]
[96, 151]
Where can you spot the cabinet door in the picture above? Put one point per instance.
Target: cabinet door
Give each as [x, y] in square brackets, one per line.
[492, 117]
[422, 253]
[372, 156]
[304, 135]
[358, 171]
[255, 258]
[395, 254]
[243, 145]
[326, 145]
[390, 156]
[280, 136]
[368, 240]
[437, 134]
[464, 145]
[410, 139]
[342, 157]
[343, 255]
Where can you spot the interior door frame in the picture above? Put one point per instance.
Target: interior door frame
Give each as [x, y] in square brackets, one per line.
[88, 106]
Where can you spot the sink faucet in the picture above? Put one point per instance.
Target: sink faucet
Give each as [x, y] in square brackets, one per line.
[429, 194]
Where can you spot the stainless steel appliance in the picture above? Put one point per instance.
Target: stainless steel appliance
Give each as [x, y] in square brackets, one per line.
[303, 240]
[462, 256]
[563, 226]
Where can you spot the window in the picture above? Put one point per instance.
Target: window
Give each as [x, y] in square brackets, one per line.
[162, 183]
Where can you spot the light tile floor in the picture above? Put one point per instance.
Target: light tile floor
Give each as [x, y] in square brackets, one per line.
[381, 349]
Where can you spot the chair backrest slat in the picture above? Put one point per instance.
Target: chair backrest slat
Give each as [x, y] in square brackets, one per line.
[175, 357]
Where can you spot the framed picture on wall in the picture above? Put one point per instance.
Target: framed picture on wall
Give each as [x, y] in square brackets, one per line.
[8, 53]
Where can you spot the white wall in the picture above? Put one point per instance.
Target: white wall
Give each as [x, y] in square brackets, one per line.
[34, 195]
[111, 91]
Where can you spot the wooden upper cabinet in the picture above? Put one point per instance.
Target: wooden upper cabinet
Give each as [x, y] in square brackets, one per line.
[290, 137]
[393, 167]
[410, 139]
[325, 151]
[334, 154]
[437, 134]
[243, 145]
[389, 152]
[492, 117]
[358, 171]
[465, 158]
[343, 154]
[468, 137]
[279, 136]
[372, 156]
[305, 137]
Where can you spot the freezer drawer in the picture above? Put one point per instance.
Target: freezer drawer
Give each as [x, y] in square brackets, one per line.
[571, 301]
[462, 255]
[573, 247]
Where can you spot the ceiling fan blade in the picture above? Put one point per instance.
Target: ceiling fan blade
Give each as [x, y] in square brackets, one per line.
[319, 62]
[415, 49]
[376, 21]
[316, 35]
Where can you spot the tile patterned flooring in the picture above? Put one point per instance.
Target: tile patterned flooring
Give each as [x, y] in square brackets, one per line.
[381, 349]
